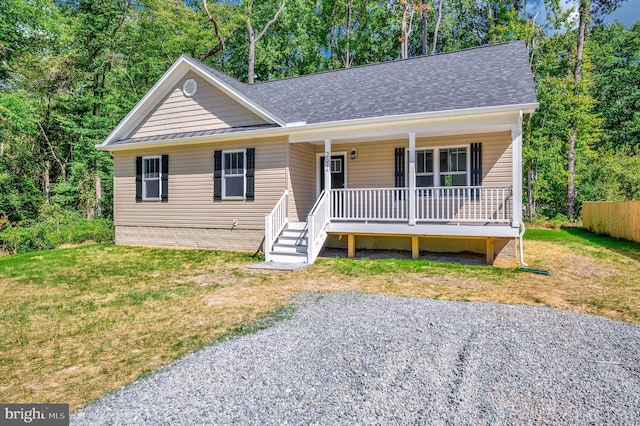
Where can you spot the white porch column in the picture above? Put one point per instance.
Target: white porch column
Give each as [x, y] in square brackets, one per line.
[327, 165]
[412, 178]
[516, 152]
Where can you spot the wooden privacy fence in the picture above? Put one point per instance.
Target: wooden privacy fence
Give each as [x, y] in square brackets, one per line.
[620, 219]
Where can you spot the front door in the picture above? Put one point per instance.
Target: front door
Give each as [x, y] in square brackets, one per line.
[337, 172]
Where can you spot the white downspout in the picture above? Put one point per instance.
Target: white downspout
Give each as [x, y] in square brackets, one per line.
[520, 234]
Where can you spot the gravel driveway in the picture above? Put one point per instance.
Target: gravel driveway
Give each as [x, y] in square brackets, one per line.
[353, 358]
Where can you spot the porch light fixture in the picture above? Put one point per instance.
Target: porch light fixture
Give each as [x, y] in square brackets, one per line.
[354, 153]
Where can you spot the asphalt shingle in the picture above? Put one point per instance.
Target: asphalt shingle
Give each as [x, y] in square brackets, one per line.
[488, 76]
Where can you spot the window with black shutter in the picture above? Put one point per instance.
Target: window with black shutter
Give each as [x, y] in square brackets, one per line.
[152, 178]
[251, 168]
[217, 175]
[399, 168]
[234, 174]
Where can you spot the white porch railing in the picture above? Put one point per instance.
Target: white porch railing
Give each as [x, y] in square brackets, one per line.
[375, 204]
[486, 204]
[468, 204]
[274, 223]
[317, 222]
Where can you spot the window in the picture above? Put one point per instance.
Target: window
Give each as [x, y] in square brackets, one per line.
[336, 165]
[453, 167]
[424, 168]
[151, 178]
[233, 174]
[450, 170]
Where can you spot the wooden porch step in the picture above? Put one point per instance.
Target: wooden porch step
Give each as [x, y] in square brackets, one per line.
[280, 257]
[293, 233]
[289, 248]
[293, 240]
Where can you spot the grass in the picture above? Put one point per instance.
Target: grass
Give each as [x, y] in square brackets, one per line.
[79, 322]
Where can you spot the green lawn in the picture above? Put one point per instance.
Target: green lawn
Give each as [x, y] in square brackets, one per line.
[78, 322]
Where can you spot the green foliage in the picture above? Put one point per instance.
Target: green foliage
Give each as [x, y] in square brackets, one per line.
[20, 200]
[616, 59]
[70, 70]
[61, 227]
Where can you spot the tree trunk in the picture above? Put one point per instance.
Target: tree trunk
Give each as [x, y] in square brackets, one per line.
[403, 44]
[424, 27]
[252, 53]
[585, 6]
[347, 58]
[98, 196]
[253, 39]
[47, 181]
[437, 27]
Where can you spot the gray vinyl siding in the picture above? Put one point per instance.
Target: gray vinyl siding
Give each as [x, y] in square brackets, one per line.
[302, 181]
[208, 109]
[190, 203]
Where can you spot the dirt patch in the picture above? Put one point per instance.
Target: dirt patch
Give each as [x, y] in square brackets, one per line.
[465, 257]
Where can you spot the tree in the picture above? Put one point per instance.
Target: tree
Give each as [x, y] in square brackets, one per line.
[600, 7]
[219, 31]
[407, 9]
[253, 38]
[434, 43]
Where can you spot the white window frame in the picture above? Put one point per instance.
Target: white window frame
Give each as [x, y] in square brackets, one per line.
[147, 179]
[244, 175]
[467, 172]
[433, 153]
[436, 164]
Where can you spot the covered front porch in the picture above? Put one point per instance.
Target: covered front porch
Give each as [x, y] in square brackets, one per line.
[441, 180]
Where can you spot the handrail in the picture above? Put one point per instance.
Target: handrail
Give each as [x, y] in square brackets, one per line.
[274, 223]
[481, 204]
[447, 204]
[317, 222]
[375, 204]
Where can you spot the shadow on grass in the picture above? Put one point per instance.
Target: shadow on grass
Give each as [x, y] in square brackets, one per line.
[625, 248]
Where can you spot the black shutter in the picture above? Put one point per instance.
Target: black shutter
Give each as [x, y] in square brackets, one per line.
[476, 168]
[217, 175]
[400, 172]
[251, 173]
[138, 179]
[164, 170]
[476, 164]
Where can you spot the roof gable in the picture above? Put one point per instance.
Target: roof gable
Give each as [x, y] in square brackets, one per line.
[208, 109]
[226, 106]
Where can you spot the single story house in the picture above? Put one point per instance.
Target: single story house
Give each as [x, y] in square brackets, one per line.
[417, 154]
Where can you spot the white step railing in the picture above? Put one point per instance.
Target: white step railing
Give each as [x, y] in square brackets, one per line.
[274, 223]
[486, 204]
[317, 222]
[370, 204]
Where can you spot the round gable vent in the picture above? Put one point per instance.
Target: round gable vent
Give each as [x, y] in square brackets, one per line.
[189, 87]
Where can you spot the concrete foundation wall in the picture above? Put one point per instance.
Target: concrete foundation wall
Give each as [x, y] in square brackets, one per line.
[221, 239]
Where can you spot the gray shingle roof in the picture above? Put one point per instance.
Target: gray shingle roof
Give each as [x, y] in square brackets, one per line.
[473, 78]
[489, 76]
